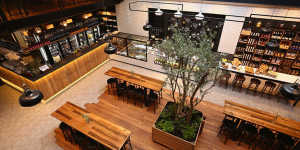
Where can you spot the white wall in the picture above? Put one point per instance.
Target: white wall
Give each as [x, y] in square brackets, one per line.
[132, 21]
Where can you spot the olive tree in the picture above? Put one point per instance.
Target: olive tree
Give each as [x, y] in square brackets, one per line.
[191, 68]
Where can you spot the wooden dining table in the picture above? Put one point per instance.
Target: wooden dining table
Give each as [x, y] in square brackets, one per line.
[135, 78]
[262, 118]
[101, 130]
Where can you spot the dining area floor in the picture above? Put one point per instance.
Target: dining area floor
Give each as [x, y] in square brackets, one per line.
[32, 128]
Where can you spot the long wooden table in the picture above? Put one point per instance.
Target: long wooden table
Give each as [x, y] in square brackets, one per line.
[109, 134]
[134, 78]
[262, 118]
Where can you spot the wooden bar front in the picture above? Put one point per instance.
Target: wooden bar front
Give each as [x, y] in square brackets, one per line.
[57, 80]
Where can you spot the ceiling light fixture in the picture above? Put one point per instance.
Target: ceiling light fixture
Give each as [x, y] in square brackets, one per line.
[158, 12]
[178, 14]
[147, 26]
[199, 16]
[38, 29]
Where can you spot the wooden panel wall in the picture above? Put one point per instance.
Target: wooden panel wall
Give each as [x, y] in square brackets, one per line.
[62, 77]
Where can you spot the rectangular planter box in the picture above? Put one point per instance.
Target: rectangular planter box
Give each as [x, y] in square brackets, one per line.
[174, 142]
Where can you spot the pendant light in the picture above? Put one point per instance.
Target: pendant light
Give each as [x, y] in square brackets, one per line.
[178, 14]
[158, 12]
[199, 16]
[30, 97]
[147, 26]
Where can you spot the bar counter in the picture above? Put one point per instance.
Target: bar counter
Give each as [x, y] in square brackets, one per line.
[57, 78]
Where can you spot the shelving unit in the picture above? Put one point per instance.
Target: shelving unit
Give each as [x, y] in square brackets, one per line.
[109, 19]
[272, 42]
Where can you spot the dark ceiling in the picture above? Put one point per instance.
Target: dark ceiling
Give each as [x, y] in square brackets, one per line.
[15, 14]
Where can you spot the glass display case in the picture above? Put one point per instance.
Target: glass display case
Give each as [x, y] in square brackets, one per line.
[90, 36]
[65, 47]
[132, 46]
[55, 53]
[83, 43]
[74, 42]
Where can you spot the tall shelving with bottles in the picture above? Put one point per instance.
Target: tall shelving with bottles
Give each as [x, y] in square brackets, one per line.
[271, 42]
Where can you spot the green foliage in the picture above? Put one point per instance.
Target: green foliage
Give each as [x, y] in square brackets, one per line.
[179, 127]
[189, 133]
[190, 66]
[165, 125]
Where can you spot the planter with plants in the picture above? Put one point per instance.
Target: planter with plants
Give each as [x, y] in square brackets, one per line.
[192, 70]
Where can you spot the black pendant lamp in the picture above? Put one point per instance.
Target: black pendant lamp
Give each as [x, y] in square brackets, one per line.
[290, 92]
[30, 97]
[147, 26]
[110, 49]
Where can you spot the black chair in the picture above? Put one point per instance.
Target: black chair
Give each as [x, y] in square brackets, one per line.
[131, 92]
[284, 142]
[139, 91]
[265, 139]
[111, 84]
[228, 128]
[248, 134]
[153, 98]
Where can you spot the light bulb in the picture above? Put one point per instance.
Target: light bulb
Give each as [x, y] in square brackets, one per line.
[158, 12]
[178, 14]
[199, 16]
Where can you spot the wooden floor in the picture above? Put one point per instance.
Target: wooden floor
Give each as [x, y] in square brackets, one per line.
[140, 120]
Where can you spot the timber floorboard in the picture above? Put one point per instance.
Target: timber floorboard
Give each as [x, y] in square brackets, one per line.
[140, 121]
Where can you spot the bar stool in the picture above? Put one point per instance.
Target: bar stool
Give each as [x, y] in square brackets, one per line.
[256, 82]
[238, 81]
[153, 98]
[268, 88]
[111, 84]
[121, 89]
[224, 79]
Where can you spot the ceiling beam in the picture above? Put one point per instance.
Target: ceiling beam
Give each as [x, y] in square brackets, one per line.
[294, 5]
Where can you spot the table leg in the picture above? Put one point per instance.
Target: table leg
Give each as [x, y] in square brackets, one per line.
[295, 103]
[129, 142]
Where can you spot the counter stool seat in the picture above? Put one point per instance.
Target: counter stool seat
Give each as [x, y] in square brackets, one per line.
[256, 82]
[224, 79]
[238, 81]
[268, 88]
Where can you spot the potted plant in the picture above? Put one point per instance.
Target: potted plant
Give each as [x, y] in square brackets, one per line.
[192, 69]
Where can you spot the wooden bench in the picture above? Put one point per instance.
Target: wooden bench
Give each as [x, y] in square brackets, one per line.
[262, 118]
